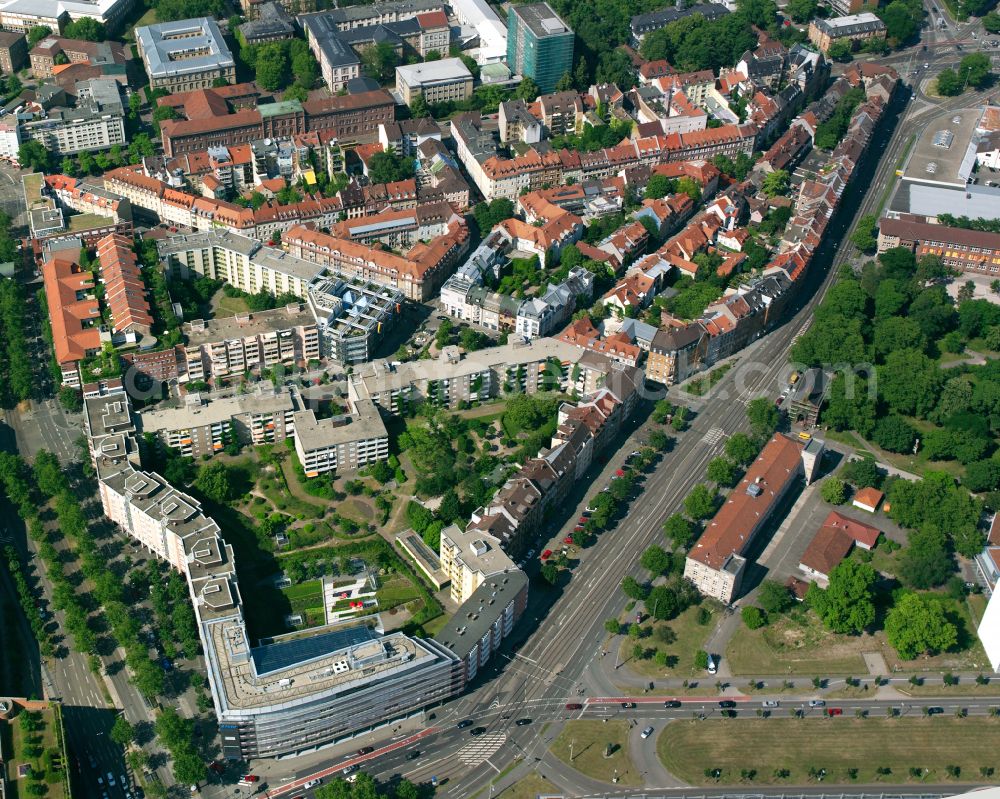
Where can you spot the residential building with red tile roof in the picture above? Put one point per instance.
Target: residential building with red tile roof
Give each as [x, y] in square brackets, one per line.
[124, 288]
[74, 314]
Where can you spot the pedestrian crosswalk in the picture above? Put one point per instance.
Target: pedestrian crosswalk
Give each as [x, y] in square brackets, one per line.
[482, 748]
[713, 436]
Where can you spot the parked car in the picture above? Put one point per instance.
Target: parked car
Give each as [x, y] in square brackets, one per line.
[246, 779]
[547, 554]
[646, 733]
[568, 539]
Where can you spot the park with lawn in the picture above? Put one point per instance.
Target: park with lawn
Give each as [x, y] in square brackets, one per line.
[598, 749]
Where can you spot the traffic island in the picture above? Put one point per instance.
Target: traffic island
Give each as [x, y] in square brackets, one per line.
[836, 751]
[584, 745]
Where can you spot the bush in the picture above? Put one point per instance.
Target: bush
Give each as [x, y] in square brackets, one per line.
[753, 617]
[834, 491]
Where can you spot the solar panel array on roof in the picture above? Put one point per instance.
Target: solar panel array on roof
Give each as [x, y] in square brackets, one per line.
[274, 657]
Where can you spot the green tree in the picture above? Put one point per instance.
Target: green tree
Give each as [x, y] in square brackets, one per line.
[722, 471]
[215, 482]
[901, 21]
[834, 491]
[659, 186]
[991, 21]
[763, 417]
[740, 448]
[86, 28]
[550, 572]
[663, 603]
[841, 50]
[974, 70]
[982, 475]
[776, 183]
[380, 62]
[926, 561]
[633, 589]
[527, 90]
[801, 10]
[37, 33]
[700, 503]
[774, 597]
[679, 531]
[655, 560]
[271, 66]
[847, 604]
[122, 732]
[388, 167]
[918, 625]
[949, 83]
[753, 617]
[894, 433]
[864, 234]
[33, 155]
[909, 382]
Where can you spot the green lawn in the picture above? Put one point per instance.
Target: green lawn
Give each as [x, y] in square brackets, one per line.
[839, 745]
[798, 644]
[529, 787]
[230, 306]
[589, 739]
[691, 637]
[47, 764]
[703, 385]
[397, 591]
[305, 597]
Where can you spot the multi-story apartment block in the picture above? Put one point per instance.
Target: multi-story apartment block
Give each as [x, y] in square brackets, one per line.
[13, 51]
[185, 55]
[23, 15]
[77, 51]
[399, 228]
[539, 44]
[322, 688]
[67, 131]
[469, 559]
[517, 123]
[251, 342]
[272, 23]
[717, 562]
[343, 442]
[237, 260]
[417, 275]
[353, 318]
[199, 427]
[74, 314]
[441, 81]
[854, 28]
[676, 354]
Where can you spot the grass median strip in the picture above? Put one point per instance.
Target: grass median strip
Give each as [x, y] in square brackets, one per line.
[589, 740]
[796, 751]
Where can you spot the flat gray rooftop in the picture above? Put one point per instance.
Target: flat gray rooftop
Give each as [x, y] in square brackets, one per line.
[944, 154]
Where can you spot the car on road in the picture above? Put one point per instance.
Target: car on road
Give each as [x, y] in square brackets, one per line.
[671, 703]
[523, 722]
[727, 703]
[935, 711]
[475, 732]
[646, 733]
[835, 711]
[350, 769]
[311, 784]
[816, 703]
[628, 705]
[413, 755]
[574, 706]
[770, 703]
[463, 724]
[366, 750]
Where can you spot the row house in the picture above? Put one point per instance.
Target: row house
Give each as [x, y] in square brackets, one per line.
[398, 228]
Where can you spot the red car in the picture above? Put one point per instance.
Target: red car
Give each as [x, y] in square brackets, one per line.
[574, 706]
[835, 711]
[568, 539]
[546, 554]
[619, 473]
[582, 520]
[578, 528]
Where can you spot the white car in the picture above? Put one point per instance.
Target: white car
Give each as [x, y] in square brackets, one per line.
[712, 666]
[816, 703]
[111, 779]
[311, 784]
[770, 703]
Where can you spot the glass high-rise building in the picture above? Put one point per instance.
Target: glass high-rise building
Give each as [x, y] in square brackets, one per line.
[539, 44]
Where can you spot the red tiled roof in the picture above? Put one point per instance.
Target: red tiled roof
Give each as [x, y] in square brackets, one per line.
[869, 497]
[828, 548]
[74, 321]
[730, 531]
[858, 531]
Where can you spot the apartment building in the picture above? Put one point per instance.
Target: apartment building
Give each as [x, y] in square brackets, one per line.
[469, 559]
[74, 313]
[343, 442]
[76, 51]
[856, 28]
[397, 229]
[66, 131]
[517, 123]
[642, 25]
[353, 318]
[13, 51]
[242, 262]
[200, 427]
[272, 23]
[971, 251]
[250, 342]
[324, 687]
[441, 81]
[338, 63]
[124, 288]
[417, 275]
[716, 564]
[485, 619]
[676, 354]
[185, 55]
